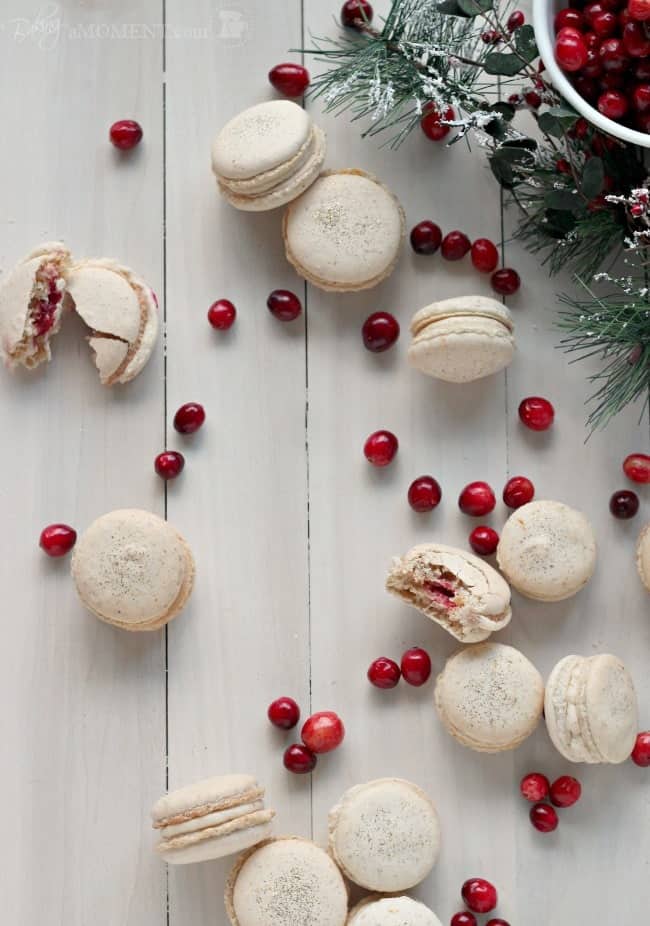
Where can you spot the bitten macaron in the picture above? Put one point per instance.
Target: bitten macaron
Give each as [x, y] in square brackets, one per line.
[133, 570]
[267, 155]
[462, 339]
[591, 709]
[489, 697]
[392, 911]
[457, 590]
[643, 556]
[385, 835]
[345, 233]
[210, 819]
[547, 550]
[286, 882]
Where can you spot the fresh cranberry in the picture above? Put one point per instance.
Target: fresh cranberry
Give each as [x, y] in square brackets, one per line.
[613, 104]
[323, 732]
[284, 305]
[290, 79]
[222, 314]
[189, 418]
[635, 40]
[570, 51]
[424, 494]
[354, 10]
[384, 673]
[57, 539]
[642, 70]
[587, 87]
[613, 55]
[463, 919]
[592, 9]
[565, 791]
[484, 540]
[485, 256]
[562, 166]
[477, 499]
[636, 467]
[125, 134]
[380, 448]
[591, 40]
[426, 237]
[609, 81]
[433, 122]
[169, 464]
[532, 99]
[491, 37]
[416, 666]
[299, 760]
[544, 818]
[284, 713]
[497, 921]
[604, 24]
[641, 97]
[479, 895]
[515, 21]
[534, 787]
[455, 245]
[380, 331]
[592, 67]
[641, 752]
[639, 9]
[506, 281]
[568, 17]
[518, 491]
[536, 413]
[624, 504]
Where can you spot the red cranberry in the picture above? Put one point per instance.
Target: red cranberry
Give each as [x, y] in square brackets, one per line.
[533, 99]
[477, 499]
[612, 104]
[426, 237]
[354, 10]
[284, 713]
[518, 491]
[484, 540]
[284, 305]
[126, 134]
[491, 37]
[189, 418]
[433, 122]
[635, 40]
[562, 166]
[642, 70]
[544, 818]
[565, 791]
[380, 448]
[534, 787]
[299, 760]
[384, 673]
[641, 97]
[604, 23]
[570, 51]
[592, 9]
[506, 282]
[222, 314]
[515, 21]
[568, 17]
[380, 331]
[479, 895]
[497, 921]
[624, 504]
[57, 539]
[416, 666]
[455, 245]
[463, 919]
[636, 467]
[591, 40]
[169, 464]
[485, 256]
[613, 55]
[641, 752]
[323, 732]
[536, 413]
[424, 494]
[290, 79]
[639, 9]
[587, 87]
[607, 82]
[593, 67]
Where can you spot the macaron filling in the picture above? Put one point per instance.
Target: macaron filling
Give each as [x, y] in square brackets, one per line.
[43, 314]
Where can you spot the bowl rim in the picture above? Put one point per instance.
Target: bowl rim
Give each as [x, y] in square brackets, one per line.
[543, 26]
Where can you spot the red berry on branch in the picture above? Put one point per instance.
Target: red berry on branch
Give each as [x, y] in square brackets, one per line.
[479, 895]
[57, 539]
[432, 122]
[380, 448]
[416, 666]
[534, 787]
[536, 413]
[518, 491]
[323, 732]
[379, 332]
[484, 540]
[289, 79]
[491, 37]
[424, 494]
[426, 237]
[506, 281]
[485, 256]
[284, 713]
[641, 752]
[384, 673]
[169, 464]
[299, 760]
[624, 504]
[477, 499]
[126, 134]
[515, 21]
[222, 314]
[455, 245]
[562, 166]
[189, 418]
[544, 818]
[356, 12]
[636, 467]
[533, 99]
[565, 791]
[284, 305]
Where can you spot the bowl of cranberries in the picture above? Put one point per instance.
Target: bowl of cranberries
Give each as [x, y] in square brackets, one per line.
[597, 54]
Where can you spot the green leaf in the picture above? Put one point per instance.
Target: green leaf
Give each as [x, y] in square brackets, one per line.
[505, 161]
[525, 43]
[474, 7]
[565, 200]
[502, 64]
[557, 121]
[451, 8]
[558, 223]
[505, 110]
[593, 177]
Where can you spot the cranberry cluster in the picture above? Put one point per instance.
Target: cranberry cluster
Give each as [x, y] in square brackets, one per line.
[536, 788]
[479, 896]
[322, 732]
[415, 669]
[605, 47]
[188, 419]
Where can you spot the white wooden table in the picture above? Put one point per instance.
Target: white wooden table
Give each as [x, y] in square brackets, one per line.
[291, 528]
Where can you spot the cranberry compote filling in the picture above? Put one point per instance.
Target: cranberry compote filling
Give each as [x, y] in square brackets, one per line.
[442, 592]
[46, 300]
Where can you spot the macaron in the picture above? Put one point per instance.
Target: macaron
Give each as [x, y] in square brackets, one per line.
[462, 339]
[121, 312]
[210, 819]
[591, 709]
[391, 911]
[267, 155]
[643, 556]
[457, 590]
[345, 233]
[489, 697]
[286, 882]
[385, 835]
[31, 305]
[547, 550]
[133, 570]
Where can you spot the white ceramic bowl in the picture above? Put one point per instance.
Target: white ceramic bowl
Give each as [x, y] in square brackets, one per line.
[543, 15]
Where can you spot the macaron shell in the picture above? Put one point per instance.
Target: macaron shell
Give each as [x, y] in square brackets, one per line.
[611, 708]
[218, 847]
[109, 356]
[385, 835]
[392, 911]
[105, 300]
[147, 336]
[210, 794]
[243, 822]
[262, 183]
[472, 306]
[643, 556]
[461, 349]
[560, 713]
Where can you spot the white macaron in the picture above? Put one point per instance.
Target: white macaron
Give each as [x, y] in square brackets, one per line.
[385, 835]
[643, 556]
[591, 709]
[391, 911]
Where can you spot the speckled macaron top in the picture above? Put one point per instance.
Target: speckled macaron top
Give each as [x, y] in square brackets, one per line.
[547, 550]
[392, 911]
[385, 835]
[643, 556]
